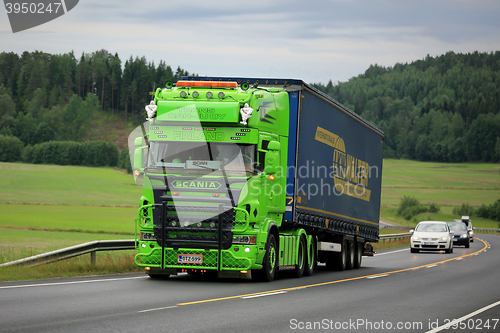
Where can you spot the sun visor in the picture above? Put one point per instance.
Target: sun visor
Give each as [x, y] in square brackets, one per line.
[222, 112]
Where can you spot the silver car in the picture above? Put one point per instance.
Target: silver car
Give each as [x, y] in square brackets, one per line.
[431, 236]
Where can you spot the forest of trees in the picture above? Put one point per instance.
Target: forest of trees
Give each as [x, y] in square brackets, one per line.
[436, 109]
[442, 108]
[45, 97]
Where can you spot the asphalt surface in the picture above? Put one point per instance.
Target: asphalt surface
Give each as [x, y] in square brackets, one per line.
[395, 291]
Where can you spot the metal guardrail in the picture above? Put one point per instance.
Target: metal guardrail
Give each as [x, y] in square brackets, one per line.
[396, 227]
[74, 251]
[390, 237]
[486, 230]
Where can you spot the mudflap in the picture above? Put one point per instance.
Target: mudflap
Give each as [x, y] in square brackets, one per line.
[368, 250]
[166, 271]
[235, 274]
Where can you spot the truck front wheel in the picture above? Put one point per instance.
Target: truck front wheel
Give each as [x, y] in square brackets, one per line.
[270, 264]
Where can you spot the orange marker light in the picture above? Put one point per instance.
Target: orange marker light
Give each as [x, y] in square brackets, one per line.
[207, 84]
[137, 172]
[175, 193]
[271, 177]
[215, 194]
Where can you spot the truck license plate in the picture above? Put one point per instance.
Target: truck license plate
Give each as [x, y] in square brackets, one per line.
[190, 258]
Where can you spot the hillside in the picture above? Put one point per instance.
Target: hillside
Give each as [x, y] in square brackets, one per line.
[111, 128]
[442, 109]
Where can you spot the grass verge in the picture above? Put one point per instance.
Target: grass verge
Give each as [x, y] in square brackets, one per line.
[110, 262]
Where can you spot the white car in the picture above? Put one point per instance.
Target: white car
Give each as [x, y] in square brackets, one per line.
[431, 236]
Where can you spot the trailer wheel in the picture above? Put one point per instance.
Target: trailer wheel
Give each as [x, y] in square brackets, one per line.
[270, 264]
[301, 258]
[311, 264]
[338, 260]
[359, 255]
[350, 255]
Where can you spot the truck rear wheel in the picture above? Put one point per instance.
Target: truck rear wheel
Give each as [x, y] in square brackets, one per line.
[311, 263]
[301, 258]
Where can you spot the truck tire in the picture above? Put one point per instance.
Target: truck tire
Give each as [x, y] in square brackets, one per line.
[358, 255]
[270, 264]
[338, 260]
[301, 258]
[350, 255]
[312, 262]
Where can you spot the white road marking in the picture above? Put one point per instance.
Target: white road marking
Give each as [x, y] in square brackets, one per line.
[267, 294]
[71, 282]
[381, 254]
[459, 259]
[431, 266]
[448, 325]
[164, 308]
[377, 276]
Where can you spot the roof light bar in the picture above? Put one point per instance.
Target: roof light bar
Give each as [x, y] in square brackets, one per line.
[207, 84]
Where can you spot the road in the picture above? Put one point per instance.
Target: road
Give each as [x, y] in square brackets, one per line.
[394, 291]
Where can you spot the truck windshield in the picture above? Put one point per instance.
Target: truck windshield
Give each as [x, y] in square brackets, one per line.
[202, 155]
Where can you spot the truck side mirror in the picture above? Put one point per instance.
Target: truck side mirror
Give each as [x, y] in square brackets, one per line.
[138, 160]
[274, 146]
[138, 142]
[271, 157]
[271, 162]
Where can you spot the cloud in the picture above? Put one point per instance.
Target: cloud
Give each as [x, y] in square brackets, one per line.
[315, 41]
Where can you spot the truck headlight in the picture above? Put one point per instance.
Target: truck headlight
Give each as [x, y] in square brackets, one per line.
[244, 240]
[147, 236]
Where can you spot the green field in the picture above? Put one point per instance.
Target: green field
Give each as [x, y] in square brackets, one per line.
[446, 184]
[67, 185]
[48, 207]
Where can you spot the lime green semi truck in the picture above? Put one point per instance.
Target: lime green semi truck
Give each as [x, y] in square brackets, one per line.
[245, 177]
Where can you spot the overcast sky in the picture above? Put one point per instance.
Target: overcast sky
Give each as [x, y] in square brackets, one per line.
[315, 40]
